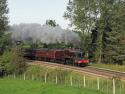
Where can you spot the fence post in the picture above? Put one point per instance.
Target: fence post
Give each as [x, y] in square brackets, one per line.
[107, 87]
[113, 86]
[56, 79]
[98, 87]
[84, 78]
[71, 80]
[5, 74]
[14, 76]
[32, 77]
[8, 76]
[45, 78]
[24, 76]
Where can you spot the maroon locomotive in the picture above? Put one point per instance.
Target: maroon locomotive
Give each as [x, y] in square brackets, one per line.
[67, 56]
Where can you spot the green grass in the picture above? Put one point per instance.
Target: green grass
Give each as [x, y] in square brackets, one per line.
[15, 86]
[77, 79]
[111, 66]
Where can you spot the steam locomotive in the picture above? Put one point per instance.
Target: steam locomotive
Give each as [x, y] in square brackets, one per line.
[66, 56]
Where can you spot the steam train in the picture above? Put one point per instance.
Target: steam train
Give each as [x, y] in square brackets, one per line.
[67, 56]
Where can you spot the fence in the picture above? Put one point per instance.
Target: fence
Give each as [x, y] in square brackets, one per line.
[106, 85]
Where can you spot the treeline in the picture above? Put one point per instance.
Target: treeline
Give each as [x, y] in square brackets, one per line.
[11, 59]
[39, 45]
[101, 24]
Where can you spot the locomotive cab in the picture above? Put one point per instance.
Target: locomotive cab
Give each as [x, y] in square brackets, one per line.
[80, 59]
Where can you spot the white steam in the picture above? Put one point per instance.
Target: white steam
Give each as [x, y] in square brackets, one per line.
[45, 34]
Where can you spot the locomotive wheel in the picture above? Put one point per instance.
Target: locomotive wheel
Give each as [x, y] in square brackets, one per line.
[82, 65]
[67, 61]
[75, 64]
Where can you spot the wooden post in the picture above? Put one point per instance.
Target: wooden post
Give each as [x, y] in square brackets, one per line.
[24, 76]
[45, 78]
[107, 86]
[32, 77]
[113, 86]
[14, 76]
[120, 88]
[71, 80]
[56, 79]
[84, 78]
[8, 76]
[5, 74]
[98, 87]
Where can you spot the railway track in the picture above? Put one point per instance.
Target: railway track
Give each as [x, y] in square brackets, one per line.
[86, 70]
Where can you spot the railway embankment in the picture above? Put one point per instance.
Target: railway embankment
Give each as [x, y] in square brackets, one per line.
[120, 68]
[101, 72]
[75, 77]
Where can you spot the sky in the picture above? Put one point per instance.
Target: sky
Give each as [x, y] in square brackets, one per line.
[37, 11]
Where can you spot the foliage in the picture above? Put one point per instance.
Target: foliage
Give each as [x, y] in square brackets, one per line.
[103, 21]
[57, 45]
[51, 23]
[3, 16]
[3, 24]
[112, 24]
[12, 61]
[5, 42]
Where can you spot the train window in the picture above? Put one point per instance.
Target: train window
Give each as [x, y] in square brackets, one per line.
[80, 55]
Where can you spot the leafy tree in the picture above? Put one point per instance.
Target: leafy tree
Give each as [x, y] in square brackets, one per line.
[3, 24]
[5, 42]
[100, 23]
[17, 62]
[12, 61]
[109, 32]
[116, 40]
[83, 14]
[51, 23]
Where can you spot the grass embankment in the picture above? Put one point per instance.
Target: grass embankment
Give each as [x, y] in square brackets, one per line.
[15, 86]
[110, 66]
[64, 79]
[33, 82]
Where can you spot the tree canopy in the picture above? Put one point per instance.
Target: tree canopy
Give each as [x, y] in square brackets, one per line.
[3, 24]
[103, 23]
[51, 23]
[11, 59]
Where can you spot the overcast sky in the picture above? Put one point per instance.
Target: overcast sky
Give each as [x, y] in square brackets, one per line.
[37, 11]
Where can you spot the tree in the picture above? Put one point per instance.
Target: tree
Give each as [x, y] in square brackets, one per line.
[116, 40]
[110, 26]
[3, 23]
[51, 23]
[12, 61]
[83, 14]
[102, 22]
[17, 63]
[5, 42]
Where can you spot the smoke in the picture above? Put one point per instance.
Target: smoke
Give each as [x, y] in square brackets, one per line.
[45, 34]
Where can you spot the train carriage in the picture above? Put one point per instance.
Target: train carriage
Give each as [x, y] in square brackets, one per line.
[67, 56]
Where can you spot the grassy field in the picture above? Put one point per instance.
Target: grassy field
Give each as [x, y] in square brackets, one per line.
[111, 66]
[37, 73]
[15, 86]
[32, 82]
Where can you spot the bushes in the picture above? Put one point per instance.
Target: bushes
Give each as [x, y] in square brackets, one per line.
[12, 61]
